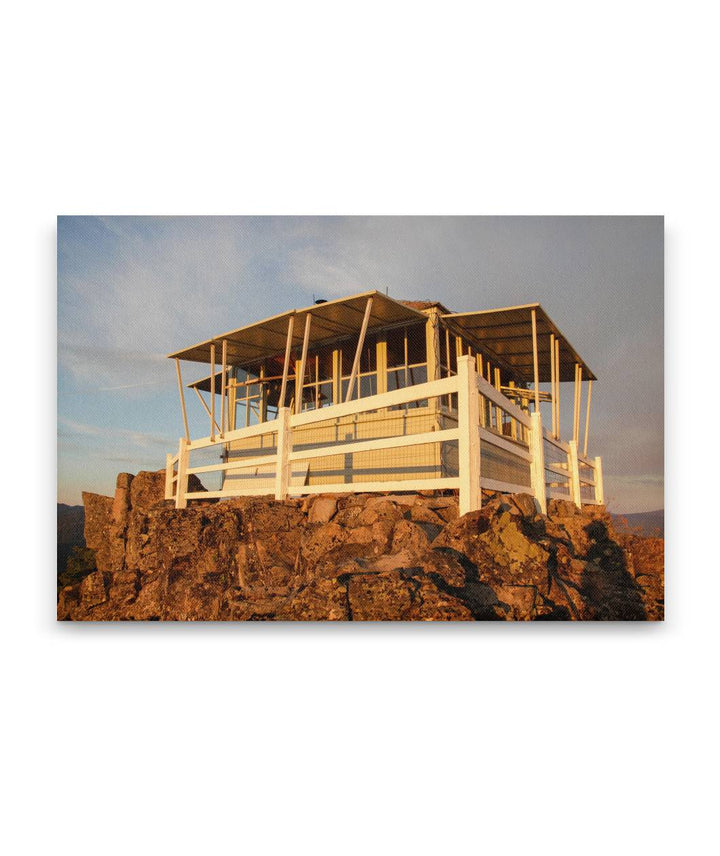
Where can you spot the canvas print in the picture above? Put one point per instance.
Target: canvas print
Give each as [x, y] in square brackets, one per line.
[360, 419]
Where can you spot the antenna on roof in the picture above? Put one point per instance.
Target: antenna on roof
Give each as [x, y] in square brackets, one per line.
[386, 291]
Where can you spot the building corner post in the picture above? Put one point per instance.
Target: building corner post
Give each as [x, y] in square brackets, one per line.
[599, 489]
[284, 443]
[574, 472]
[537, 464]
[181, 485]
[468, 436]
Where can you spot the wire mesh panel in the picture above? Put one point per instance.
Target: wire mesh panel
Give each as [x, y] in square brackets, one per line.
[557, 483]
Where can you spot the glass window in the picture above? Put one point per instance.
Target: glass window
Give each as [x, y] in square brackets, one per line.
[406, 360]
[366, 382]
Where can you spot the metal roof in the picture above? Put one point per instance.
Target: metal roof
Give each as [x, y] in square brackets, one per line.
[506, 334]
[330, 321]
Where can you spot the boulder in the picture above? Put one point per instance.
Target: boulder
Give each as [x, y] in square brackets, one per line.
[322, 509]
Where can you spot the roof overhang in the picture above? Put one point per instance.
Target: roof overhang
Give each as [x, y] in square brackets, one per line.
[506, 334]
[330, 321]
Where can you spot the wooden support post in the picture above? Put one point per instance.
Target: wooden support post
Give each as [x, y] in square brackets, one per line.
[498, 410]
[587, 419]
[182, 398]
[557, 387]
[207, 409]
[574, 403]
[300, 374]
[223, 390]
[358, 350]
[483, 413]
[181, 485]
[579, 405]
[284, 444]
[574, 473]
[599, 490]
[468, 436]
[432, 345]
[536, 371]
[537, 464]
[168, 476]
[286, 366]
[552, 383]
[212, 392]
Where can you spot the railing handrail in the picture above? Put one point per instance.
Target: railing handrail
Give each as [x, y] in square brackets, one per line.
[469, 434]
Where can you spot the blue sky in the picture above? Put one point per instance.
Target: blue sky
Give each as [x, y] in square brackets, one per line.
[132, 289]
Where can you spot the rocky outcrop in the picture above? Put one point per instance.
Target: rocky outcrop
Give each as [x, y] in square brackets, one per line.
[357, 557]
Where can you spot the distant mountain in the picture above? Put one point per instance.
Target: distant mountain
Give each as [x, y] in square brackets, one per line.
[646, 522]
[70, 524]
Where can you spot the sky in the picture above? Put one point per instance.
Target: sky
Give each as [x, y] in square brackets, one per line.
[133, 289]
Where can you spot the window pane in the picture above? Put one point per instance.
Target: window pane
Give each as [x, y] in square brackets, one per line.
[416, 344]
[395, 348]
[368, 385]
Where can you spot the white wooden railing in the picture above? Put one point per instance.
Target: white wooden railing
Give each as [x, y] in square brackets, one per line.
[482, 411]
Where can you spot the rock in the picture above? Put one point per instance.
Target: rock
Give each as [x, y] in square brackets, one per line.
[525, 503]
[379, 597]
[121, 502]
[98, 517]
[361, 557]
[93, 590]
[322, 509]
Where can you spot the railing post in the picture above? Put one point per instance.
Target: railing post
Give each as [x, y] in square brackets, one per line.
[599, 490]
[574, 473]
[468, 436]
[168, 476]
[181, 485]
[537, 465]
[284, 443]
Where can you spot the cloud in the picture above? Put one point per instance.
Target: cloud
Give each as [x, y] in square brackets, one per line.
[112, 436]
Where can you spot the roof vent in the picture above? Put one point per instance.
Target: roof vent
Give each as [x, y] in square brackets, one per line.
[320, 300]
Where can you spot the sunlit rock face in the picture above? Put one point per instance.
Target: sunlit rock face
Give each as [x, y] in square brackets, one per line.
[360, 557]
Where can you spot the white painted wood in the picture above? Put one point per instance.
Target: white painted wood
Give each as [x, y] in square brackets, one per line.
[202, 401]
[182, 399]
[559, 444]
[223, 389]
[489, 391]
[494, 439]
[182, 477]
[552, 384]
[212, 392]
[377, 402]
[300, 374]
[239, 464]
[284, 444]
[537, 466]
[599, 489]
[358, 350]
[468, 436]
[169, 476]
[286, 365]
[398, 441]
[505, 487]
[536, 372]
[574, 473]
[587, 417]
[227, 494]
[557, 387]
[238, 434]
[410, 485]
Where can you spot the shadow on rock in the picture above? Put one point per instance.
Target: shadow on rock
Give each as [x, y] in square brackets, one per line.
[606, 583]
[478, 596]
